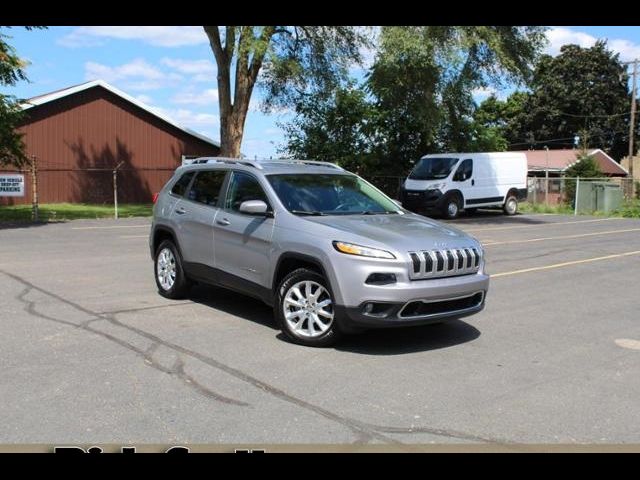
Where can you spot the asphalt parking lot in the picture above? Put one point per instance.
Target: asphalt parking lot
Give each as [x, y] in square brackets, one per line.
[90, 352]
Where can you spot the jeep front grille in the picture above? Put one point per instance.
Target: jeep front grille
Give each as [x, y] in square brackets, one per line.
[444, 263]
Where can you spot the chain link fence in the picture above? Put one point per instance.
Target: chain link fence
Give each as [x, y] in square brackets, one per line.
[552, 191]
[572, 191]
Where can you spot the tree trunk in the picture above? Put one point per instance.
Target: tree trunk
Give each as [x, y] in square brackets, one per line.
[233, 115]
[231, 132]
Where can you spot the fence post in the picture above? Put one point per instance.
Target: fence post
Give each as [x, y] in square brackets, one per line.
[35, 214]
[575, 211]
[115, 189]
[546, 187]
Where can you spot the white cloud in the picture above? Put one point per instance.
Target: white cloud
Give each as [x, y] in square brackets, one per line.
[628, 50]
[161, 36]
[559, 36]
[135, 68]
[189, 118]
[483, 92]
[189, 97]
[144, 99]
[189, 66]
[136, 75]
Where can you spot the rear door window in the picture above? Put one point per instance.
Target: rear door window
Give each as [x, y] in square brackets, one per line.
[206, 187]
[180, 187]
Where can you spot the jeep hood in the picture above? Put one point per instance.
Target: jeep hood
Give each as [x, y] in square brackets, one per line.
[406, 232]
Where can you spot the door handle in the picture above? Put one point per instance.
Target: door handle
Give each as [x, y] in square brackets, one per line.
[223, 221]
[181, 211]
[473, 182]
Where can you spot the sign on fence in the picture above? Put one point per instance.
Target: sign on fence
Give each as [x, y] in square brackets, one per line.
[11, 185]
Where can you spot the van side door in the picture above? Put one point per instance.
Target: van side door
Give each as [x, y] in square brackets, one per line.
[463, 180]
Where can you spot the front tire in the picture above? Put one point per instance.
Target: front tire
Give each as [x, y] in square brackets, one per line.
[169, 274]
[452, 207]
[510, 206]
[305, 309]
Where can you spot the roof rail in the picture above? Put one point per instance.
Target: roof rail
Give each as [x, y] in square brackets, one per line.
[305, 162]
[188, 160]
[195, 160]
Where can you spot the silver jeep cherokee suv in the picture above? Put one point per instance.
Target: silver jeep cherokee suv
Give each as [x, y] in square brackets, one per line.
[330, 252]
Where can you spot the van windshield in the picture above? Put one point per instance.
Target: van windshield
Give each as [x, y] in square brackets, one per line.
[433, 168]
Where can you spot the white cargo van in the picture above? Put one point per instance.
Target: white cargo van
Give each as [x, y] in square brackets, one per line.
[451, 182]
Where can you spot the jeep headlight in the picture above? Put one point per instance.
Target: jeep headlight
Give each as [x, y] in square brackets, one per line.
[352, 249]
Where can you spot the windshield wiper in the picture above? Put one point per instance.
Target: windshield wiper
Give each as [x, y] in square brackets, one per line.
[369, 212]
[308, 212]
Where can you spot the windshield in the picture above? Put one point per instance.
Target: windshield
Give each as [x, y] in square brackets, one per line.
[433, 168]
[317, 194]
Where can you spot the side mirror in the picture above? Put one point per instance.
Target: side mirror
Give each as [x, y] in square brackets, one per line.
[254, 207]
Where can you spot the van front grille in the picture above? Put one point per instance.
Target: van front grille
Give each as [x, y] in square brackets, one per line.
[444, 263]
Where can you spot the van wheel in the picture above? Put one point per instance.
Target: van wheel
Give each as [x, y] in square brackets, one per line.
[452, 206]
[305, 309]
[510, 205]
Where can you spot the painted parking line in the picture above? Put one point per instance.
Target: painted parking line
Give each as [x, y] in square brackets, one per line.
[561, 237]
[110, 226]
[565, 264]
[541, 225]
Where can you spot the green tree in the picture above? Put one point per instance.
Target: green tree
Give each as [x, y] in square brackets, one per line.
[336, 129]
[420, 92]
[586, 166]
[11, 72]
[494, 120]
[581, 91]
[292, 61]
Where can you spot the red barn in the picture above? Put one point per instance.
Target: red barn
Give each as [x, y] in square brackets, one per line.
[78, 135]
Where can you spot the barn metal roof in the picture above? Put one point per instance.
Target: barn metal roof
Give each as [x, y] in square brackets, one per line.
[65, 92]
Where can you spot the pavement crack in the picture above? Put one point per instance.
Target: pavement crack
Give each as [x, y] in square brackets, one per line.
[178, 372]
[363, 431]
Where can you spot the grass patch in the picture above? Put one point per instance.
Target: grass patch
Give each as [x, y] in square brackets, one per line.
[630, 209]
[72, 211]
[562, 208]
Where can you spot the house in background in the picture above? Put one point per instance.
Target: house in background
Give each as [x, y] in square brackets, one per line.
[78, 135]
[557, 161]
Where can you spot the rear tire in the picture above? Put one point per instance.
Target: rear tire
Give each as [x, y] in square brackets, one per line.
[452, 207]
[169, 274]
[305, 309]
[510, 206]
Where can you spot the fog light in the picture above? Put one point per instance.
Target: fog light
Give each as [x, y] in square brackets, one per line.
[377, 309]
[381, 279]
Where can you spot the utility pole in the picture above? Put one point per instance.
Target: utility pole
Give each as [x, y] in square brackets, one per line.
[632, 124]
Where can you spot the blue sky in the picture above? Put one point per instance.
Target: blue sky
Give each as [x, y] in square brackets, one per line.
[172, 70]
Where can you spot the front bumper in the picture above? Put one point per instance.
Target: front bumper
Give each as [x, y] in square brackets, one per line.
[417, 200]
[410, 314]
[353, 293]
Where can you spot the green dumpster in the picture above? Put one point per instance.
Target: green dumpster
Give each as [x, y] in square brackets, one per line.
[608, 197]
